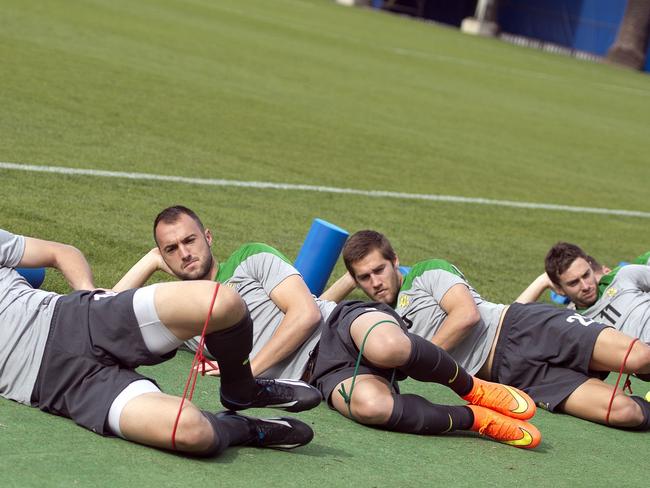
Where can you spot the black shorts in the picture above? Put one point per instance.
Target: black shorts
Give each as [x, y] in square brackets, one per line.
[92, 349]
[545, 351]
[337, 352]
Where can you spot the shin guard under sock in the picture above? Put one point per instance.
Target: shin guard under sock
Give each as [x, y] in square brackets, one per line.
[413, 414]
[430, 363]
[231, 347]
[645, 409]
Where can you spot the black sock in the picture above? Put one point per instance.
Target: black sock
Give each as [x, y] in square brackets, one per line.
[229, 430]
[416, 415]
[231, 347]
[645, 408]
[430, 363]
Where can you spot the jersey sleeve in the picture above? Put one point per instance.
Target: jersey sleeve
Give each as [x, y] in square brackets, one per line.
[269, 270]
[642, 259]
[12, 248]
[437, 282]
[636, 276]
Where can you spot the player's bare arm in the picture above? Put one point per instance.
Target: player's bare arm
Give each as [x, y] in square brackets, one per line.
[535, 289]
[462, 315]
[340, 289]
[301, 316]
[141, 271]
[67, 259]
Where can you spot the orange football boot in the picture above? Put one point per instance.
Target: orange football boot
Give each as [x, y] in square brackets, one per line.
[504, 429]
[501, 398]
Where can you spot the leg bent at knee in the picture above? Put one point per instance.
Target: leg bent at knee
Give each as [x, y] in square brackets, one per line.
[371, 400]
[380, 339]
[372, 409]
[627, 412]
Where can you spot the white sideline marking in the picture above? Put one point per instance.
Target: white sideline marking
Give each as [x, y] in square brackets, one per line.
[323, 189]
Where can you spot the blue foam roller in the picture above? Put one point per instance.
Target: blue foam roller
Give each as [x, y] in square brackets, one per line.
[561, 299]
[34, 276]
[319, 253]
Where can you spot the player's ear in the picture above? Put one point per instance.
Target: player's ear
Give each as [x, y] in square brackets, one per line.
[396, 262]
[208, 236]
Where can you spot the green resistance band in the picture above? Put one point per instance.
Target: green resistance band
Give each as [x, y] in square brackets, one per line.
[347, 397]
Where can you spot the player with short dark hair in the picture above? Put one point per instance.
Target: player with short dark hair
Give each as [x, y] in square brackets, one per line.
[277, 297]
[286, 318]
[75, 355]
[556, 356]
[618, 297]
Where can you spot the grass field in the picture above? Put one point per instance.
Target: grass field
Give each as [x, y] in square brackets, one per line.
[308, 92]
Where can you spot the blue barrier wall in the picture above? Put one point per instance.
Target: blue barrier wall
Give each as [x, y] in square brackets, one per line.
[585, 25]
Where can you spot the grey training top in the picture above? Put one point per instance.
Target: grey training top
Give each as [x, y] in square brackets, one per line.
[625, 303]
[419, 300]
[254, 270]
[25, 316]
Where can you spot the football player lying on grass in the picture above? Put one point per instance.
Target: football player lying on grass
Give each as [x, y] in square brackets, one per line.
[276, 294]
[557, 356]
[75, 355]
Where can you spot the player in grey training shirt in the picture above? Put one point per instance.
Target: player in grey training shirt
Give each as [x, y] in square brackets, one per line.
[550, 353]
[75, 356]
[21, 346]
[425, 286]
[619, 298]
[287, 319]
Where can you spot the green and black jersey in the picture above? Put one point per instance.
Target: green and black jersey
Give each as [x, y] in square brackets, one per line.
[625, 302]
[418, 302]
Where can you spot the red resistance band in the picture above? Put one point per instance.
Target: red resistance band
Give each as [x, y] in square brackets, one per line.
[199, 358]
[627, 384]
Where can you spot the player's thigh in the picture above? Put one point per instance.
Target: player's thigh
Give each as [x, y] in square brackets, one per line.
[591, 401]
[183, 306]
[371, 399]
[384, 342]
[611, 348]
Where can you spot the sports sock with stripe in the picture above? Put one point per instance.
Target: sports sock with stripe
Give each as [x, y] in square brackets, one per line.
[413, 414]
[428, 362]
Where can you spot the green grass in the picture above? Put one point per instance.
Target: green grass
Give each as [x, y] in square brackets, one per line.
[310, 92]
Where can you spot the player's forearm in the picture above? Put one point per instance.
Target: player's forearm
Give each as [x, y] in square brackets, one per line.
[292, 332]
[340, 289]
[138, 274]
[454, 330]
[74, 267]
[535, 289]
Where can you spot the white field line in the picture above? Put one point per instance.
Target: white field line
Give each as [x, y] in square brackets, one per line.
[322, 189]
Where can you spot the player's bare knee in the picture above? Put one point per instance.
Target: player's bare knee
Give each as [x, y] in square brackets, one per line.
[393, 351]
[194, 432]
[371, 409]
[230, 308]
[625, 412]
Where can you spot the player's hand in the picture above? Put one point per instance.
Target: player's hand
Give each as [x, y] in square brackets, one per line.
[211, 368]
[161, 265]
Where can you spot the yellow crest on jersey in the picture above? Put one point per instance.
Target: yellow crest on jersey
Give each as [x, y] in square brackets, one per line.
[611, 292]
[403, 301]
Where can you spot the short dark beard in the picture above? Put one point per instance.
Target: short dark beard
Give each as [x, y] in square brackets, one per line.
[204, 272]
